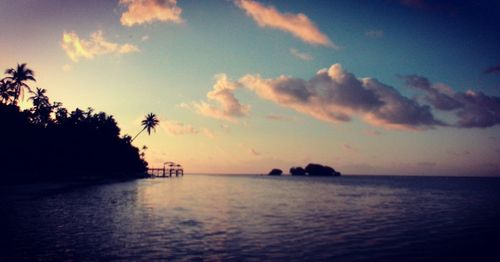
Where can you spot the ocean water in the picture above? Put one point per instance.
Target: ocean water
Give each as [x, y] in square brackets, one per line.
[257, 218]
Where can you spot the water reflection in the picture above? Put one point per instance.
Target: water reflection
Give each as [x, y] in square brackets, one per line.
[257, 218]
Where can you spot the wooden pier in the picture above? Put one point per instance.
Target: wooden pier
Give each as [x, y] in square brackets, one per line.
[169, 169]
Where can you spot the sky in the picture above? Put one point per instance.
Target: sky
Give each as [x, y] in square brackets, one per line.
[390, 87]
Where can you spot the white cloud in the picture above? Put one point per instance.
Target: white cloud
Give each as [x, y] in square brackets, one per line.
[148, 11]
[77, 48]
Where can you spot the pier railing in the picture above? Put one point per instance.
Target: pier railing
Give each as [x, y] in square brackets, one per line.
[165, 172]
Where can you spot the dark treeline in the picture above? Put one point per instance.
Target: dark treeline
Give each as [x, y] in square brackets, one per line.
[48, 142]
[310, 170]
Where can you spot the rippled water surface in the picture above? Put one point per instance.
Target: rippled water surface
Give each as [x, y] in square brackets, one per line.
[199, 217]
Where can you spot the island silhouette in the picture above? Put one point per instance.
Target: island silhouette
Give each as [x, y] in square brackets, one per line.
[311, 169]
[48, 142]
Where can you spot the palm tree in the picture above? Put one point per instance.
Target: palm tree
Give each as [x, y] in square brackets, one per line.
[18, 77]
[150, 122]
[41, 107]
[40, 99]
[5, 91]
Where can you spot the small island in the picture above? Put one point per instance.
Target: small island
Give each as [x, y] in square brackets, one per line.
[276, 172]
[310, 170]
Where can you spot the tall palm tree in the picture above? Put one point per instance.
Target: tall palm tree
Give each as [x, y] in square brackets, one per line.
[19, 77]
[149, 123]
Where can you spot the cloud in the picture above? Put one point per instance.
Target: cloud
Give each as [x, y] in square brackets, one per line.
[335, 95]
[77, 48]
[493, 70]
[227, 106]
[299, 25]
[434, 96]
[301, 55]
[176, 128]
[480, 110]
[148, 11]
[375, 33]
[398, 111]
[472, 108]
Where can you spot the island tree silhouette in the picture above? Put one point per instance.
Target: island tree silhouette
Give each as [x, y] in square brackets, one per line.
[48, 142]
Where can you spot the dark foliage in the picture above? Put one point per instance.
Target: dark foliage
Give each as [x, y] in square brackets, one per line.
[47, 142]
[276, 172]
[312, 170]
[297, 171]
[320, 170]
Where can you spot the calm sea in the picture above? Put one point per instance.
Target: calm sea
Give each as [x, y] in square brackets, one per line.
[256, 218]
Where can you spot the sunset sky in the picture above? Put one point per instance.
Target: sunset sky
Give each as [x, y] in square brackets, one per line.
[407, 87]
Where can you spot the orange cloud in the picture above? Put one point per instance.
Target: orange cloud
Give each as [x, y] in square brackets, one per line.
[227, 106]
[147, 11]
[77, 48]
[298, 25]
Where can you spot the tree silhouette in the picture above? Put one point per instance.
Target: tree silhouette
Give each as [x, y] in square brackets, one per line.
[80, 144]
[149, 123]
[18, 78]
[40, 99]
[41, 107]
[6, 92]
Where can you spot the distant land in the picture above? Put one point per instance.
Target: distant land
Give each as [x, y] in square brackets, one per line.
[310, 170]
